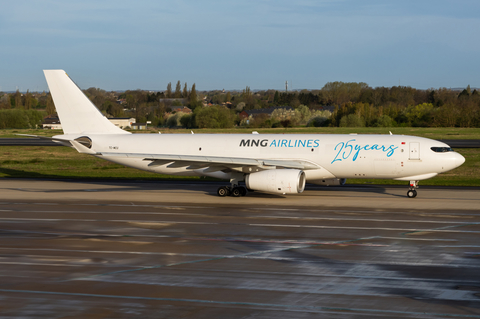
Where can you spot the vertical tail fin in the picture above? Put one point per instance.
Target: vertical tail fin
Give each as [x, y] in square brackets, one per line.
[77, 113]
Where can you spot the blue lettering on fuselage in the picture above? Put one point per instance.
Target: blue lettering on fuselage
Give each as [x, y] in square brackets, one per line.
[294, 143]
[347, 149]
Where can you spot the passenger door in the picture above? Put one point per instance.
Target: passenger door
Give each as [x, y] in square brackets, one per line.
[414, 151]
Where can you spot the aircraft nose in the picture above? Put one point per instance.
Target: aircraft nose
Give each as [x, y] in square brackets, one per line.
[459, 159]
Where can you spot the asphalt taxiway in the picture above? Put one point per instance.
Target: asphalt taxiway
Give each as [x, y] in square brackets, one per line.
[176, 250]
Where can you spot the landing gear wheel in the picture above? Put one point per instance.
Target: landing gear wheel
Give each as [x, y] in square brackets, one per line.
[222, 191]
[237, 192]
[412, 193]
[243, 191]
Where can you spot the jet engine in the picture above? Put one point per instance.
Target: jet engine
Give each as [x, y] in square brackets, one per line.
[283, 181]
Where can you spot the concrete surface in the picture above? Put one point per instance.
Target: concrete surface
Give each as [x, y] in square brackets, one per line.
[175, 250]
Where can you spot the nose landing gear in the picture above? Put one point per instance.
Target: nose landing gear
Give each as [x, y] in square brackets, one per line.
[412, 193]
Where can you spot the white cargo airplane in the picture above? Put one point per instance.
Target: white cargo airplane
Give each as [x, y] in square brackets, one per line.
[273, 163]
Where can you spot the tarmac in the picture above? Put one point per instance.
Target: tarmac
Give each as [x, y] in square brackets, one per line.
[78, 249]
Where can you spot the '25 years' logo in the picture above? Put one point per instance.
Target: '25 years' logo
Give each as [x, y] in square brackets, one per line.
[346, 149]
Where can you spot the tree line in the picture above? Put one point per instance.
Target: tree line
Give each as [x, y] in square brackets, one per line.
[336, 104]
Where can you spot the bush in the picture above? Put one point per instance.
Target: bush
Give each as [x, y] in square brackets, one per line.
[385, 121]
[214, 117]
[15, 118]
[175, 119]
[352, 120]
[188, 121]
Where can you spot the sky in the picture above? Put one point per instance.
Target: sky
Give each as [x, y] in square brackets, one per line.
[224, 44]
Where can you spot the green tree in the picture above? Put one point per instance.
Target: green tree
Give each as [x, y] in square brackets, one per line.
[319, 118]
[247, 97]
[339, 92]
[185, 91]
[303, 114]
[385, 121]
[193, 98]
[113, 109]
[28, 100]
[50, 108]
[276, 98]
[19, 119]
[178, 90]
[188, 120]
[420, 115]
[18, 100]
[5, 102]
[168, 93]
[174, 120]
[352, 120]
[215, 116]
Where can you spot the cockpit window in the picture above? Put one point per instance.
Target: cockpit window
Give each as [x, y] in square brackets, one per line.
[441, 149]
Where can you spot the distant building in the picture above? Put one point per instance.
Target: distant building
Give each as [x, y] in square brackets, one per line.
[139, 126]
[182, 109]
[122, 122]
[51, 122]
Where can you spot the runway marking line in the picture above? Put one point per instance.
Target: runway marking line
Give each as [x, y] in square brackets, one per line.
[406, 230]
[261, 216]
[442, 229]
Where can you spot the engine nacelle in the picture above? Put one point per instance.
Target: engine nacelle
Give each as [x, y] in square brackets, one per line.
[283, 181]
[330, 181]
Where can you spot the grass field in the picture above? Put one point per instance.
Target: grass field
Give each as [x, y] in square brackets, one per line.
[63, 162]
[434, 133]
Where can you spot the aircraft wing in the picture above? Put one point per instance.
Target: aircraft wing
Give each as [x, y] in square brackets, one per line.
[215, 163]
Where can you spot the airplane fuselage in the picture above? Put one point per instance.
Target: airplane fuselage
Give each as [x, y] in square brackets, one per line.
[329, 155]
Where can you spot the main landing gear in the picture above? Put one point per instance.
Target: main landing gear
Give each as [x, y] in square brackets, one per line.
[412, 193]
[233, 190]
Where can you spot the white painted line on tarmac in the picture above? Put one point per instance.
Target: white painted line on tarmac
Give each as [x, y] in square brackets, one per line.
[445, 230]
[320, 210]
[459, 246]
[106, 212]
[41, 264]
[105, 220]
[366, 228]
[421, 239]
[363, 219]
[118, 252]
